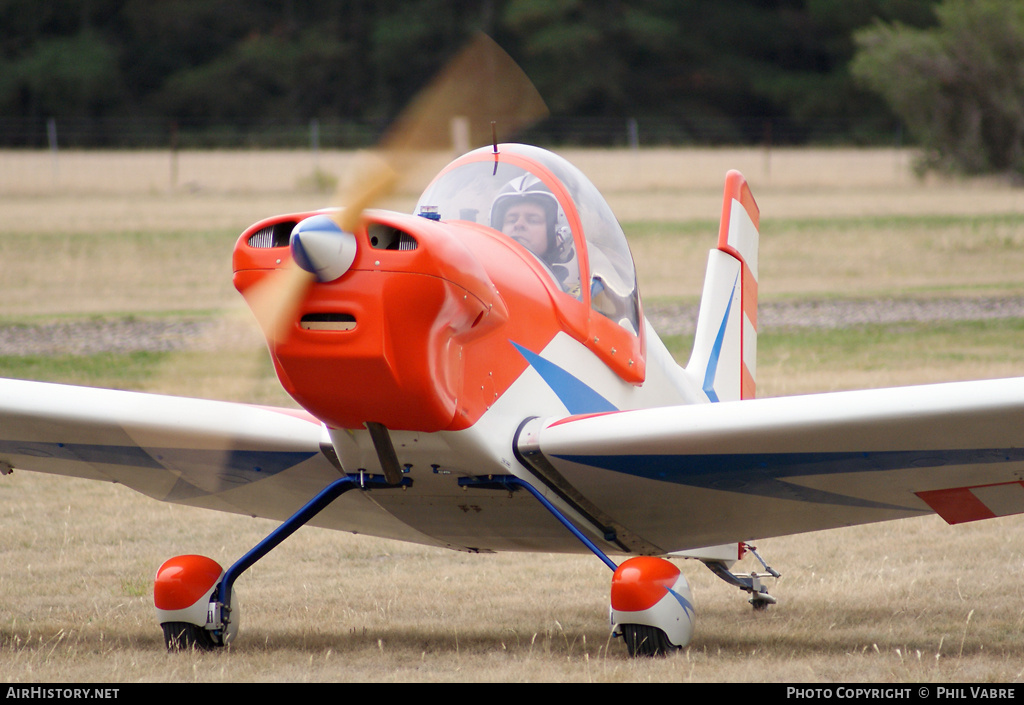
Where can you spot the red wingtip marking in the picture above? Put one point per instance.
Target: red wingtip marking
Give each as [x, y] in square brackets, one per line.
[956, 505]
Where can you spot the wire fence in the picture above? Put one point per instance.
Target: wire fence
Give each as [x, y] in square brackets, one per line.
[157, 133]
[145, 157]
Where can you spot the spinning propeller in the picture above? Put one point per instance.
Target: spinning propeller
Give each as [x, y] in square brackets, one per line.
[481, 84]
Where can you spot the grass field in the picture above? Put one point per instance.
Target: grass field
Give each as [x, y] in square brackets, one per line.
[115, 235]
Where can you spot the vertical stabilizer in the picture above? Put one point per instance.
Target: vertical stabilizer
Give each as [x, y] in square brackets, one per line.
[724, 357]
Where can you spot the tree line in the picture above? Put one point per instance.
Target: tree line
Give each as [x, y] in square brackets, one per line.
[725, 72]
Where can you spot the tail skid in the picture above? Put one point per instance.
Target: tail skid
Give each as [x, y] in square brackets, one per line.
[724, 357]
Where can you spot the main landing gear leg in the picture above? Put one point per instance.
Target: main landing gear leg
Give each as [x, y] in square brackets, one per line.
[193, 595]
[651, 603]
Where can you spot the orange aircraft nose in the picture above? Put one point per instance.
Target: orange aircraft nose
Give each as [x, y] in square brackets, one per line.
[384, 342]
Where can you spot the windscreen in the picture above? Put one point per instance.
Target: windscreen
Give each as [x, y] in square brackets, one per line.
[478, 191]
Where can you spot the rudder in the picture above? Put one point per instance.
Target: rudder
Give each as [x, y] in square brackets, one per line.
[724, 357]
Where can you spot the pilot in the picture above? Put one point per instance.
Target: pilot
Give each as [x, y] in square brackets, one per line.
[529, 213]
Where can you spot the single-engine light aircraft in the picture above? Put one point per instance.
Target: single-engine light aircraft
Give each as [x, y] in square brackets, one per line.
[491, 348]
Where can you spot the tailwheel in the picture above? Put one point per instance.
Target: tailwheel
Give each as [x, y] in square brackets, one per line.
[760, 600]
[644, 640]
[183, 636]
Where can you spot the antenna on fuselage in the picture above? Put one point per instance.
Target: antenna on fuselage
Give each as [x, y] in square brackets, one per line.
[494, 141]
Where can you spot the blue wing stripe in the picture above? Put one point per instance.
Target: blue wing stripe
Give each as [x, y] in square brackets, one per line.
[764, 474]
[195, 464]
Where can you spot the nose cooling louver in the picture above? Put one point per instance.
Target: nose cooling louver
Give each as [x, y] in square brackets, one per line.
[322, 248]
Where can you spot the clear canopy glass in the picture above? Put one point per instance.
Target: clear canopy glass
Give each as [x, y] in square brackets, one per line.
[476, 188]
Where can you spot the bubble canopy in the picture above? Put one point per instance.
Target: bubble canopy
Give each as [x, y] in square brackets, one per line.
[585, 237]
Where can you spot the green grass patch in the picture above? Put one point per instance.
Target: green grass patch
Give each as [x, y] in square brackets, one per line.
[229, 375]
[865, 348]
[845, 257]
[908, 343]
[970, 222]
[775, 226]
[814, 359]
[657, 228]
[112, 370]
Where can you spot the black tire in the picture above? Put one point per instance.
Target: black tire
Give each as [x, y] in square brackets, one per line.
[184, 636]
[644, 640]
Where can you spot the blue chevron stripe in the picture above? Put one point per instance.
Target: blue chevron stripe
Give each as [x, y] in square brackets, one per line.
[716, 350]
[577, 397]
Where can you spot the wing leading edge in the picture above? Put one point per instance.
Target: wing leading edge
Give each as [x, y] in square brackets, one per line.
[230, 457]
[170, 448]
[690, 476]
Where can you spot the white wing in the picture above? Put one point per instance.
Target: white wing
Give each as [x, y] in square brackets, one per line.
[240, 458]
[684, 477]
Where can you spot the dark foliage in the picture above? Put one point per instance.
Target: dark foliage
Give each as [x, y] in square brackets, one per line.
[224, 71]
[959, 86]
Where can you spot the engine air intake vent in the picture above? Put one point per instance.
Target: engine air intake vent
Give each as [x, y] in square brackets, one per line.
[276, 235]
[328, 321]
[384, 237]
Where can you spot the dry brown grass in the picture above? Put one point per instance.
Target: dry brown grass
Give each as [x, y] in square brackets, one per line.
[905, 601]
[224, 188]
[81, 229]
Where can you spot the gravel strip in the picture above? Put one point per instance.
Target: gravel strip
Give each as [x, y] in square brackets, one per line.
[677, 319]
[123, 335]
